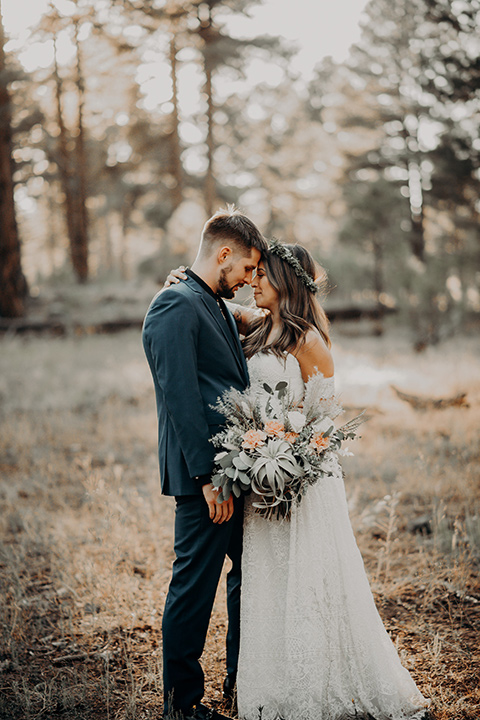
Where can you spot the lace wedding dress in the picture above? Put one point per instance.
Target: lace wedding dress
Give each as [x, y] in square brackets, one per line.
[313, 646]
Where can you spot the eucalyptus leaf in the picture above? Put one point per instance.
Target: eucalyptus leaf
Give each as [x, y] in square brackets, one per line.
[236, 490]
[226, 461]
[240, 464]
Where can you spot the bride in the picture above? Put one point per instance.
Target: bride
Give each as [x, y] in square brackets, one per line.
[312, 644]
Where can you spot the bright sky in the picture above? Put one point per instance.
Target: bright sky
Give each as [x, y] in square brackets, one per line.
[317, 27]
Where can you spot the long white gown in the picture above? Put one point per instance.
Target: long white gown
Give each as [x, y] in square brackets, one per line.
[313, 646]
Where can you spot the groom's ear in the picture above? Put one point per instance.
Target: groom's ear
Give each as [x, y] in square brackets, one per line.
[224, 253]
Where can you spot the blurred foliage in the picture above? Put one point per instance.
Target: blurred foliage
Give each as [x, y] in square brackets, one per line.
[417, 70]
[13, 286]
[374, 164]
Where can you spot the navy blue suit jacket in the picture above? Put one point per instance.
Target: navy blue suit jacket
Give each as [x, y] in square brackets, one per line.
[194, 357]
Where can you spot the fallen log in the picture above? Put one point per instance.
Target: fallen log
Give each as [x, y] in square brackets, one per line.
[61, 326]
[21, 325]
[368, 311]
[426, 403]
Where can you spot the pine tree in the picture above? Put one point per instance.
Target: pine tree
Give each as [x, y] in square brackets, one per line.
[167, 24]
[220, 50]
[81, 240]
[13, 286]
[70, 154]
[415, 77]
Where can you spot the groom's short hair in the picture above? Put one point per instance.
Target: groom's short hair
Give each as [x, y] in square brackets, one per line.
[230, 225]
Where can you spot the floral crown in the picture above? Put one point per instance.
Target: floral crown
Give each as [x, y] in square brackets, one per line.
[277, 248]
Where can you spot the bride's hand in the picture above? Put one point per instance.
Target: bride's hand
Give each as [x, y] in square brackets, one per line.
[174, 276]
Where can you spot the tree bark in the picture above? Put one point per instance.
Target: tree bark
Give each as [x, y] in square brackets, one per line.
[378, 282]
[205, 33]
[417, 237]
[64, 162]
[80, 248]
[378, 269]
[210, 176]
[13, 286]
[176, 162]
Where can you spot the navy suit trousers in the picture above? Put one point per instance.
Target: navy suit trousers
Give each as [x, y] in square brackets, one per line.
[200, 550]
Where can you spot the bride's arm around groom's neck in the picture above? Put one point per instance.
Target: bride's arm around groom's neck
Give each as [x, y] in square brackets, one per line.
[243, 315]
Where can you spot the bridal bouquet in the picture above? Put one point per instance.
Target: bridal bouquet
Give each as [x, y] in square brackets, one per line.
[277, 447]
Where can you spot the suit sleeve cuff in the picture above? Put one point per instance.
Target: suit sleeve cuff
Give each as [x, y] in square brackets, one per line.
[203, 479]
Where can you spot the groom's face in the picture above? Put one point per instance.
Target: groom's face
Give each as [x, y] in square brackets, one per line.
[236, 271]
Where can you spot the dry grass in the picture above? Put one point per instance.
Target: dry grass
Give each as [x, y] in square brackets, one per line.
[86, 539]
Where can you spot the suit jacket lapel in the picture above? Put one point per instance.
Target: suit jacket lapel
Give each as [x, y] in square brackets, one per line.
[230, 334]
[232, 339]
[236, 338]
[234, 345]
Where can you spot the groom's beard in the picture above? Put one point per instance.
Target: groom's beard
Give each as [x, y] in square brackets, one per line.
[224, 289]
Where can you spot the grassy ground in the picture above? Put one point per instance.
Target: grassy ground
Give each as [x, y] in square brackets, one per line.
[86, 539]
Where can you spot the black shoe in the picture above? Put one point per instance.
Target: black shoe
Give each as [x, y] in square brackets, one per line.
[201, 712]
[229, 687]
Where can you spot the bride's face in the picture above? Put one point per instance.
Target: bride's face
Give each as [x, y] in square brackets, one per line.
[264, 293]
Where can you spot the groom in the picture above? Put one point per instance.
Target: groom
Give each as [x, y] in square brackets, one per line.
[194, 352]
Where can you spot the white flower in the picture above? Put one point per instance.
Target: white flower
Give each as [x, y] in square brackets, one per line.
[272, 409]
[276, 406]
[297, 420]
[329, 464]
[344, 452]
[323, 425]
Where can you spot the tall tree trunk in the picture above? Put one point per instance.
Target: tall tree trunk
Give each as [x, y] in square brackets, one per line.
[80, 255]
[13, 286]
[64, 162]
[417, 236]
[51, 209]
[412, 166]
[176, 162]
[378, 282]
[127, 207]
[205, 31]
[210, 176]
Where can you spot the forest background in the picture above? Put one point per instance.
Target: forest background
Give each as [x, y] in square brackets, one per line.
[145, 117]
[138, 119]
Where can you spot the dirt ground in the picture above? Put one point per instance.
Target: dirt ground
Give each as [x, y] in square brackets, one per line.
[86, 538]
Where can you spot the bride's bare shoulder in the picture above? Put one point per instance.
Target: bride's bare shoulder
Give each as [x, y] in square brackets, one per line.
[314, 355]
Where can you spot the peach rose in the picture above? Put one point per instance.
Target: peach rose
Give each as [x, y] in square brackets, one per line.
[253, 438]
[290, 437]
[318, 442]
[275, 428]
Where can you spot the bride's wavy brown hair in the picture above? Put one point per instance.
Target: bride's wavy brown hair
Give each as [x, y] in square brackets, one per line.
[299, 308]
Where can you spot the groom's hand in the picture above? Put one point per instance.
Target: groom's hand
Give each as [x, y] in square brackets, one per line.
[219, 512]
